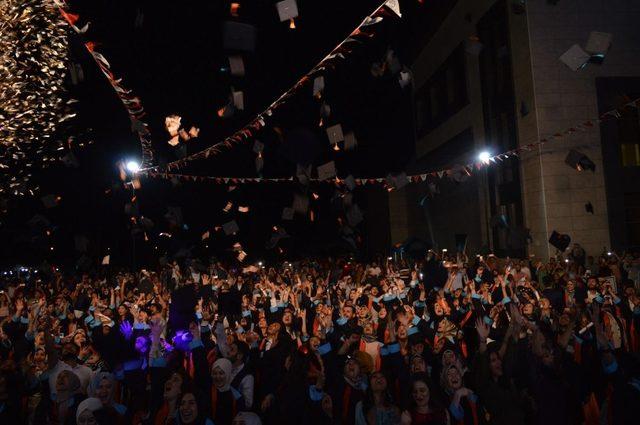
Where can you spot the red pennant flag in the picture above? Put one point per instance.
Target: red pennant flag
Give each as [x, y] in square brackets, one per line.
[69, 17]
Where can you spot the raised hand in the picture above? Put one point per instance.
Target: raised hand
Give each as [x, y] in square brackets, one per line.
[19, 305]
[156, 328]
[483, 329]
[126, 329]
[194, 329]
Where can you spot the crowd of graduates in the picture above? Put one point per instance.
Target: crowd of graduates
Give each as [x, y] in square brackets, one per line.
[440, 340]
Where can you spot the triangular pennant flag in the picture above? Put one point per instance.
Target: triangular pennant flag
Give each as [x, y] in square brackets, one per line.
[394, 6]
[318, 86]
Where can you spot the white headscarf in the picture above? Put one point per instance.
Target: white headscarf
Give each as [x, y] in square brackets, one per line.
[226, 366]
[92, 404]
[95, 383]
[248, 418]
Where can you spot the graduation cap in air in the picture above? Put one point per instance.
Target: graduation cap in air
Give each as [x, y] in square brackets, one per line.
[354, 215]
[238, 36]
[277, 236]
[50, 201]
[146, 223]
[70, 160]
[588, 207]
[300, 204]
[392, 61]
[325, 111]
[335, 135]
[559, 241]
[230, 227]
[83, 263]
[236, 65]
[350, 182]
[598, 45]
[575, 58]
[258, 146]
[397, 181]
[350, 141]
[287, 213]
[287, 10]
[131, 209]
[303, 173]
[327, 171]
[318, 85]
[238, 100]
[404, 79]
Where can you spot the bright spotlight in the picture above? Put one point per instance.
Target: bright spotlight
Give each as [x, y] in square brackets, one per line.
[133, 166]
[484, 156]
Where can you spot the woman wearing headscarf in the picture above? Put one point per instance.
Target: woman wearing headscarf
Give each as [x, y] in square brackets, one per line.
[246, 418]
[464, 406]
[225, 400]
[85, 411]
[68, 397]
[102, 387]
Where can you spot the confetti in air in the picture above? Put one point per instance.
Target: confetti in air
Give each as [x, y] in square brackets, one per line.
[34, 104]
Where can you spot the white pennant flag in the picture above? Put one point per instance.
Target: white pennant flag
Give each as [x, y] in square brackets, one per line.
[394, 5]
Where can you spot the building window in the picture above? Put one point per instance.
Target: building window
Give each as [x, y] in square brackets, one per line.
[630, 154]
[444, 95]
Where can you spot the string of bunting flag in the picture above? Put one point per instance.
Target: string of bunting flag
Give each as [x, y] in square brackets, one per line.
[132, 103]
[363, 32]
[399, 180]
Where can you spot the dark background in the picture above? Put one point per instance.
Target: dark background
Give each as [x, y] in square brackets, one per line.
[173, 63]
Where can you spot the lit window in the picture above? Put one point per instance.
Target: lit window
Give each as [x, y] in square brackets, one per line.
[630, 154]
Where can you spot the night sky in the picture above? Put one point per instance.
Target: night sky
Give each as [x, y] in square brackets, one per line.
[175, 63]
